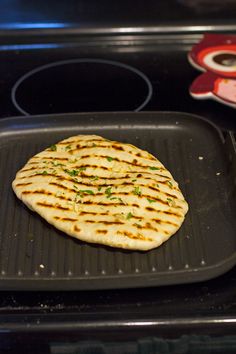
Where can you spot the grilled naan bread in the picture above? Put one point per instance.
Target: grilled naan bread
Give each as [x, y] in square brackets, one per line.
[103, 191]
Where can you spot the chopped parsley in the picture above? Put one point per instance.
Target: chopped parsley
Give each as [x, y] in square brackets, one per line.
[94, 178]
[154, 168]
[72, 173]
[121, 200]
[85, 191]
[137, 191]
[129, 216]
[53, 147]
[157, 185]
[113, 198]
[170, 202]
[170, 184]
[78, 194]
[55, 163]
[99, 188]
[109, 158]
[45, 173]
[108, 192]
[68, 147]
[134, 180]
[94, 145]
[151, 200]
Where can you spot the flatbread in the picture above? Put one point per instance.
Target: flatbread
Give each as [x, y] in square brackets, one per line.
[104, 192]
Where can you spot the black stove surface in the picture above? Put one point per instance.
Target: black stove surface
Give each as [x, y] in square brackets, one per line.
[150, 74]
[74, 77]
[88, 14]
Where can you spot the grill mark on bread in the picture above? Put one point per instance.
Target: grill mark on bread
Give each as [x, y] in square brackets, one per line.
[120, 194]
[133, 163]
[93, 213]
[38, 174]
[53, 206]
[105, 222]
[35, 168]
[40, 191]
[104, 232]
[54, 158]
[161, 222]
[163, 212]
[23, 184]
[89, 202]
[44, 192]
[146, 196]
[118, 185]
[109, 148]
[137, 236]
[81, 174]
[64, 219]
[80, 140]
[61, 186]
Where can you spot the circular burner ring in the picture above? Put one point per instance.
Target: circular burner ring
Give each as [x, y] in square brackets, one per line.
[75, 61]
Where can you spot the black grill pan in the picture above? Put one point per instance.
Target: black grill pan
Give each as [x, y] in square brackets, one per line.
[34, 255]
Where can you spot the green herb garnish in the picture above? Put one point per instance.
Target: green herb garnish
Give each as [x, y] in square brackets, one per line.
[170, 201]
[45, 173]
[151, 200]
[94, 178]
[154, 168]
[170, 184]
[55, 163]
[53, 147]
[121, 200]
[99, 188]
[108, 192]
[68, 147]
[137, 191]
[86, 191]
[129, 216]
[109, 158]
[72, 172]
[134, 180]
[82, 169]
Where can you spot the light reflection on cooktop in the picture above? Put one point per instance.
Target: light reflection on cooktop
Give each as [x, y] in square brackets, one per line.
[81, 85]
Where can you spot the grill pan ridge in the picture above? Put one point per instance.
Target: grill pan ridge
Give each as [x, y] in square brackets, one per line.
[36, 256]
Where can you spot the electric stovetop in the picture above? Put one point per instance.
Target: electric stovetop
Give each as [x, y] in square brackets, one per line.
[50, 74]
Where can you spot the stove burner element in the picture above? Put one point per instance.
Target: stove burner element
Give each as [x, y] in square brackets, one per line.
[81, 85]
